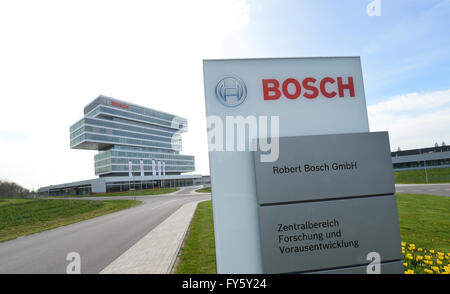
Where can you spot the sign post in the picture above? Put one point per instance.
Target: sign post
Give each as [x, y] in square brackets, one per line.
[131, 176]
[153, 173]
[298, 183]
[142, 171]
[159, 173]
[164, 170]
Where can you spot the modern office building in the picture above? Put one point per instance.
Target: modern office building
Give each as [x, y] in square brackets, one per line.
[430, 157]
[123, 132]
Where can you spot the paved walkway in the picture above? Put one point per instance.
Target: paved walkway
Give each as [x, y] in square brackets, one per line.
[157, 251]
[99, 241]
[431, 189]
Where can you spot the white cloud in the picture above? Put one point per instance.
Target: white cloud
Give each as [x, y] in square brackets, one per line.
[412, 101]
[413, 120]
[57, 56]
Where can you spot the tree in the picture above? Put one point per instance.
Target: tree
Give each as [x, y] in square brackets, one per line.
[10, 189]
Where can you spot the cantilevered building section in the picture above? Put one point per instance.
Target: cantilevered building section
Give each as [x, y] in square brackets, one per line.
[122, 131]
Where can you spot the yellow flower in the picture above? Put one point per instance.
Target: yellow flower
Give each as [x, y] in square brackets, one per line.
[420, 249]
[403, 244]
[432, 251]
[405, 264]
[428, 271]
[419, 257]
[427, 257]
[440, 253]
[439, 262]
[409, 272]
[435, 268]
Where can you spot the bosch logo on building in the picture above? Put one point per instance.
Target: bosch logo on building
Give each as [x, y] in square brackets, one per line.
[231, 91]
[309, 88]
[117, 104]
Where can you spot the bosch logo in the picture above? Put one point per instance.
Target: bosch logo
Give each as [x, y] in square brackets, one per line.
[231, 91]
[309, 88]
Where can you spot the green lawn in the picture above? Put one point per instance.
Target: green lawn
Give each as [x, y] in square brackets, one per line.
[198, 253]
[145, 192]
[424, 221]
[435, 176]
[19, 217]
[204, 190]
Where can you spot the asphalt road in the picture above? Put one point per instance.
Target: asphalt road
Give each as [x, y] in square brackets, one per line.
[99, 241]
[431, 189]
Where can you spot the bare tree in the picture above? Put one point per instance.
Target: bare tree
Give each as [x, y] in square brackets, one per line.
[10, 189]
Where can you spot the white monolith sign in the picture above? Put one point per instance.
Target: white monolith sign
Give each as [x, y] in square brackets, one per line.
[248, 99]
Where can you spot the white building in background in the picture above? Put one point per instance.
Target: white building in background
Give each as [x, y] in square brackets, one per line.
[124, 132]
[428, 157]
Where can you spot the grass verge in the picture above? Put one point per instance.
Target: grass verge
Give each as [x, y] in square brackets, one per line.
[204, 190]
[198, 253]
[424, 222]
[20, 217]
[435, 176]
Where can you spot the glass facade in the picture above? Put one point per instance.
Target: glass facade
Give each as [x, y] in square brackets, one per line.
[125, 186]
[124, 132]
[421, 164]
[428, 157]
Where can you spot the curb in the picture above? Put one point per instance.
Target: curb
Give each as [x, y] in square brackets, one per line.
[175, 257]
[156, 252]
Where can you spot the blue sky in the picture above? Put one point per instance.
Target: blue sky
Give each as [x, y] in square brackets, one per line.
[57, 56]
[406, 49]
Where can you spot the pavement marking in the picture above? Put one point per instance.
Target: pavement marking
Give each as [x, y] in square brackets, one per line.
[156, 252]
